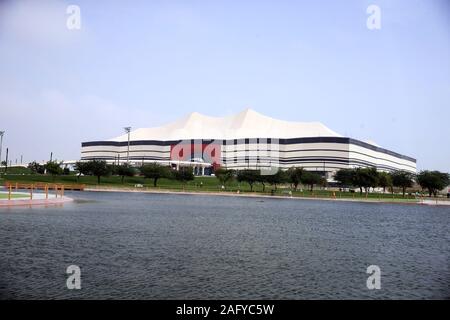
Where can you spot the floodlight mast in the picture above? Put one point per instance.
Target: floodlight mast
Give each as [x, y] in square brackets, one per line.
[128, 131]
[1, 144]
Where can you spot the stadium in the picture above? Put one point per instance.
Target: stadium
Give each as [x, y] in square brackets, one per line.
[247, 140]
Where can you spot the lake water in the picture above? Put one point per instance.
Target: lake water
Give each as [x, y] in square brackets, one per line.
[160, 246]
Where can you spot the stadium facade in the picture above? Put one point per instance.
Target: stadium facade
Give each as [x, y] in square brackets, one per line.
[247, 140]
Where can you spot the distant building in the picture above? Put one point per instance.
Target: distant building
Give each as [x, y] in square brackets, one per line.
[245, 140]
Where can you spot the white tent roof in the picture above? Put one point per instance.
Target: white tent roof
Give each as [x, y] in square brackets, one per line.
[245, 124]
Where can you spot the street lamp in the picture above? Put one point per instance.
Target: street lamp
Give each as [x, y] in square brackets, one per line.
[128, 130]
[1, 143]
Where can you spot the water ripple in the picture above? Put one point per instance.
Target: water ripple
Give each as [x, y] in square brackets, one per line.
[153, 246]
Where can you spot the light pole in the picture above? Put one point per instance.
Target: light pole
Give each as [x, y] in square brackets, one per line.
[1, 143]
[128, 130]
[6, 161]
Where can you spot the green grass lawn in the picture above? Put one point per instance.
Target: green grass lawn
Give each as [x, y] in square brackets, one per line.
[13, 195]
[17, 170]
[201, 184]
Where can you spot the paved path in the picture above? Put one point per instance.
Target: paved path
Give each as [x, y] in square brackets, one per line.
[256, 195]
[433, 202]
[38, 199]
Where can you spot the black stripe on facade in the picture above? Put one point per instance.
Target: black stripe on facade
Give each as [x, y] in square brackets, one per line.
[131, 158]
[131, 151]
[132, 143]
[320, 164]
[227, 153]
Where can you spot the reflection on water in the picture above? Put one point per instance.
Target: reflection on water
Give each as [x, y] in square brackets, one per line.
[158, 246]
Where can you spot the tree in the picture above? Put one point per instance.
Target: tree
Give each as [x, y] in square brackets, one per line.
[294, 176]
[274, 179]
[155, 171]
[402, 179]
[99, 168]
[249, 176]
[53, 168]
[82, 168]
[36, 167]
[262, 178]
[365, 178]
[384, 180]
[433, 181]
[345, 177]
[224, 175]
[124, 170]
[184, 174]
[310, 179]
[323, 182]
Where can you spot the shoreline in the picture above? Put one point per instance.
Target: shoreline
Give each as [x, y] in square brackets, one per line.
[34, 202]
[39, 200]
[265, 196]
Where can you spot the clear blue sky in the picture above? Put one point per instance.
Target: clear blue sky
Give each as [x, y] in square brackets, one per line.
[150, 63]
